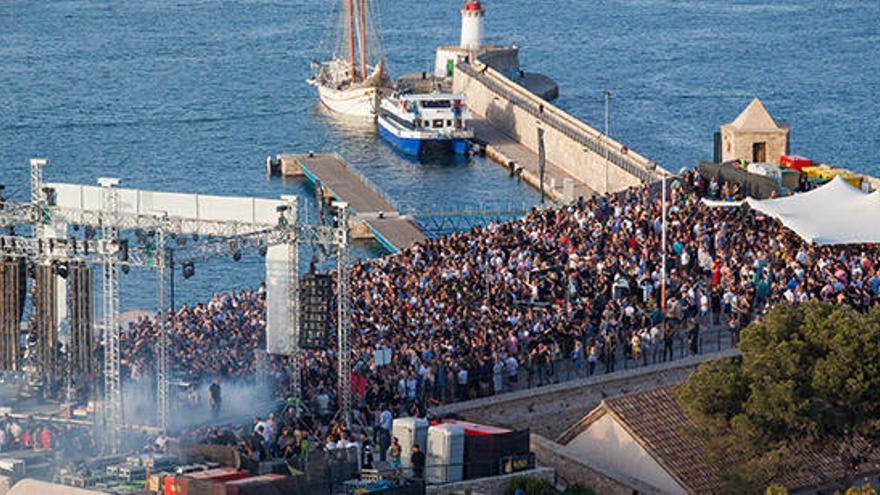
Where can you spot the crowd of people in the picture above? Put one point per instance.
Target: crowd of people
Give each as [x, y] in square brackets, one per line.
[33, 434]
[569, 291]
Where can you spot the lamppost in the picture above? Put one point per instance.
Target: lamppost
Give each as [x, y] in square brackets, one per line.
[607, 95]
[663, 248]
[541, 159]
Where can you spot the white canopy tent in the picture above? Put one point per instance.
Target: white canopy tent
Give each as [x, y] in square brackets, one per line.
[836, 213]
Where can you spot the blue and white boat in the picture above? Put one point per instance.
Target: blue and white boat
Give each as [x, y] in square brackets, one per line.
[415, 122]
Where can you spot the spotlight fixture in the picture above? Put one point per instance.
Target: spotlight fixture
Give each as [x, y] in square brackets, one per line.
[236, 256]
[282, 220]
[61, 270]
[125, 269]
[123, 249]
[263, 251]
[50, 195]
[188, 269]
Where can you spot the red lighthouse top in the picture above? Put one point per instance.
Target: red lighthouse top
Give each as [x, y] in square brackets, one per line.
[472, 6]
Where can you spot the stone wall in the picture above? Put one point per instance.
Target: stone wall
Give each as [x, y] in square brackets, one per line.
[737, 144]
[570, 470]
[494, 485]
[550, 410]
[569, 143]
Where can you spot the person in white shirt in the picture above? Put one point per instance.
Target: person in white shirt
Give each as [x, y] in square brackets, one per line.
[386, 419]
[497, 377]
[512, 367]
[462, 382]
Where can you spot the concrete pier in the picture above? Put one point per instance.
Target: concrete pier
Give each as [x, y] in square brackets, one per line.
[559, 185]
[373, 213]
[595, 161]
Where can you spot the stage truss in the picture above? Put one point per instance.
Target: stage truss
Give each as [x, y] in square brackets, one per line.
[55, 207]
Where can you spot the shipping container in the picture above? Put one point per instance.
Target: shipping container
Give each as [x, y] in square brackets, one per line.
[794, 162]
[267, 484]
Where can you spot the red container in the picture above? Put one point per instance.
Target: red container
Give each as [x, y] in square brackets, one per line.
[476, 429]
[170, 485]
[794, 162]
[205, 482]
[267, 484]
[219, 474]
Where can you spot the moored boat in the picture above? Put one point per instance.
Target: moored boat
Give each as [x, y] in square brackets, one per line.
[354, 78]
[416, 122]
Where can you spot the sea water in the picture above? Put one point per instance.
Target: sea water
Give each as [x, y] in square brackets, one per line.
[193, 95]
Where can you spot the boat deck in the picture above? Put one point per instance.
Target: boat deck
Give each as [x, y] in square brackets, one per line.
[329, 171]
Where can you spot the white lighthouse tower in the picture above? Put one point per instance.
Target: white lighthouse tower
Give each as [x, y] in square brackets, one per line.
[472, 13]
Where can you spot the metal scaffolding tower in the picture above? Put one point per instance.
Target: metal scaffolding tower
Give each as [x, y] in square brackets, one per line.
[213, 236]
[162, 404]
[292, 239]
[341, 239]
[112, 407]
[37, 165]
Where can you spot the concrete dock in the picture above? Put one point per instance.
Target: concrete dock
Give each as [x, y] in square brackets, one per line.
[559, 185]
[329, 171]
[573, 149]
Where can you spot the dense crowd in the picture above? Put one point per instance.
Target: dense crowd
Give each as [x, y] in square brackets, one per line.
[574, 290]
[33, 434]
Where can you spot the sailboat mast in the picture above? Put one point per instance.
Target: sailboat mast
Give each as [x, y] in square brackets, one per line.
[351, 39]
[363, 40]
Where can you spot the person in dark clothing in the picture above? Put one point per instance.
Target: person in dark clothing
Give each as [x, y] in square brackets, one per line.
[216, 398]
[668, 341]
[694, 336]
[418, 462]
[258, 448]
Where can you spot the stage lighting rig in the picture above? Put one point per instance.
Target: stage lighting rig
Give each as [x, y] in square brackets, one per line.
[61, 270]
[188, 270]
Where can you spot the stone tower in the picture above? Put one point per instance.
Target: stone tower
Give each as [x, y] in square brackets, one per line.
[754, 136]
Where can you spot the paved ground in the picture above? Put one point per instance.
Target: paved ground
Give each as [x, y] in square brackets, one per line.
[504, 148]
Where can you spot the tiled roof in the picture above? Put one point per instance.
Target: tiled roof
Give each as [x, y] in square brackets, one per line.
[658, 423]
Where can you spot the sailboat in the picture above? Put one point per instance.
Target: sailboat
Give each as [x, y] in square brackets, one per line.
[354, 79]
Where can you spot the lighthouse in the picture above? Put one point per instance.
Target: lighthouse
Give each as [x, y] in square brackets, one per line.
[472, 13]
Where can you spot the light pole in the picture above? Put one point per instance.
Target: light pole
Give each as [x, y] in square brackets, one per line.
[541, 159]
[663, 250]
[607, 95]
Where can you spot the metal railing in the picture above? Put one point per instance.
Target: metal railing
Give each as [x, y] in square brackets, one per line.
[563, 123]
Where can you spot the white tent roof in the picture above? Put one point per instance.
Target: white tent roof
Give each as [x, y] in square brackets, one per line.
[836, 213]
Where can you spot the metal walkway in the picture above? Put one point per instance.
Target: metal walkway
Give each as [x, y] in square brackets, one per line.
[329, 171]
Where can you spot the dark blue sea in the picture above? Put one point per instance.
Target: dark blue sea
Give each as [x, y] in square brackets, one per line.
[192, 95]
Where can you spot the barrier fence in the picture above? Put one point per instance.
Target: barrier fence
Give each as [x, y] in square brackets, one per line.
[565, 124]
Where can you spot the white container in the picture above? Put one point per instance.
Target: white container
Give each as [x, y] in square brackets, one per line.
[409, 432]
[445, 459]
[766, 170]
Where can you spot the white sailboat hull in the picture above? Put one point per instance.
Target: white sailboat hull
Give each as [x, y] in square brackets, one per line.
[355, 102]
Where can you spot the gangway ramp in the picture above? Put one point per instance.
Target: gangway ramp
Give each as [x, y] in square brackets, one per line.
[329, 171]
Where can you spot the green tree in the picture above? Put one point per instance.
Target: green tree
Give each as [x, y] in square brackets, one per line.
[776, 489]
[808, 379]
[865, 489]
